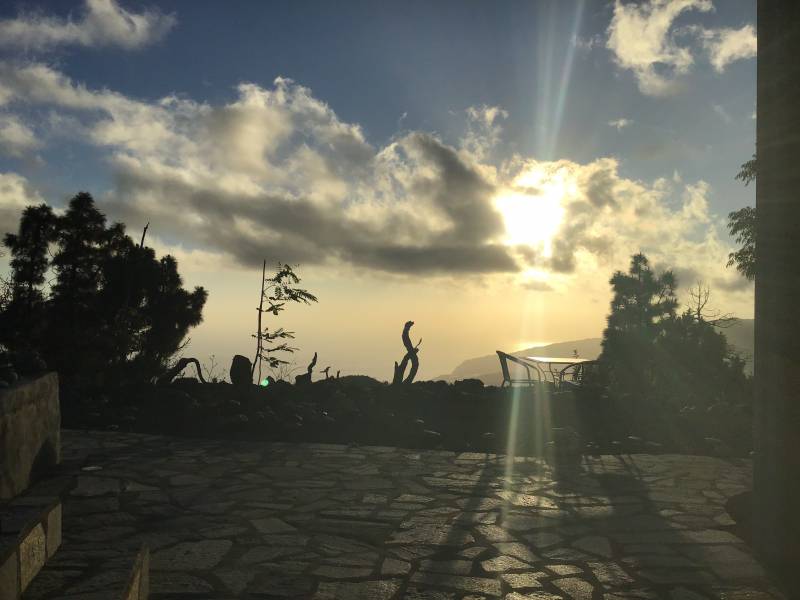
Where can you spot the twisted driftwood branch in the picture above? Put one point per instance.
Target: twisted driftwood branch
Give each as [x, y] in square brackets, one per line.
[179, 366]
[410, 356]
[306, 377]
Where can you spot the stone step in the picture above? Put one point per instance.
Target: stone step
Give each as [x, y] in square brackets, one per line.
[127, 579]
[30, 535]
[30, 531]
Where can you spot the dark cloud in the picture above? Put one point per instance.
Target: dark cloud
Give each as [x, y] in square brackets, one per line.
[297, 229]
[685, 276]
[600, 188]
[460, 192]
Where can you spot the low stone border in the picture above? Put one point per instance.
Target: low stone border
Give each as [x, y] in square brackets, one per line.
[138, 587]
[31, 534]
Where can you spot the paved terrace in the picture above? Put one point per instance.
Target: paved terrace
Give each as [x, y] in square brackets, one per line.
[253, 520]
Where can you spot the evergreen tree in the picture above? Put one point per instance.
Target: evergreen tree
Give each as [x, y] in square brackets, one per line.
[641, 303]
[657, 363]
[114, 313]
[21, 321]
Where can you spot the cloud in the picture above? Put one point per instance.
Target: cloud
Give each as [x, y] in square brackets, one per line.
[103, 23]
[16, 138]
[276, 174]
[620, 124]
[722, 113]
[725, 46]
[483, 130]
[642, 39]
[15, 194]
[608, 217]
[587, 44]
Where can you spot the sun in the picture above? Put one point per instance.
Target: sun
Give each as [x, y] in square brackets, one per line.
[532, 213]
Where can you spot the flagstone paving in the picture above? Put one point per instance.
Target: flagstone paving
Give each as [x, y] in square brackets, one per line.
[258, 520]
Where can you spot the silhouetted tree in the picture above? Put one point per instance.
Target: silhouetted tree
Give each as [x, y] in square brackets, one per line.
[742, 225]
[21, 323]
[698, 307]
[697, 366]
[114, 311]
[655, 360]
[642, 301]
[276, 291]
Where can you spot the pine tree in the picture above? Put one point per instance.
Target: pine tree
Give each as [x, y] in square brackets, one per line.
[21, 322]
[642, 302]
[115, 312]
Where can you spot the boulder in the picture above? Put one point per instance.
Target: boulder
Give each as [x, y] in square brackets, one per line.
[241, 370]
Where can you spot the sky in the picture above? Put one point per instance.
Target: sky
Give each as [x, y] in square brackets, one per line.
[480, 168]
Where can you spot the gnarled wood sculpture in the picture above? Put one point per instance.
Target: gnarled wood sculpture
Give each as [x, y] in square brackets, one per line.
[179, 366]
[411, 356]
[306, 377]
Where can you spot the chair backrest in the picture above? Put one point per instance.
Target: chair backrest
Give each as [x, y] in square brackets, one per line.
[504, 365]
[578, 372]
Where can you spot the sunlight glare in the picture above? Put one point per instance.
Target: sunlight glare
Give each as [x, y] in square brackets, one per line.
[532, 219]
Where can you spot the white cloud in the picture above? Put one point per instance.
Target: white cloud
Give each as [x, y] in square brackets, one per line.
[483, 130]
[587, 44]
[620, 124]
[642, 39]
[103, 23]
[16, 138]
[276, 174]
[722, 113]
[608, 217]
[15, 194]
[725, 46]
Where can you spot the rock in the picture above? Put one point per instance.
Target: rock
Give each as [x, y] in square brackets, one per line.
[240, 372]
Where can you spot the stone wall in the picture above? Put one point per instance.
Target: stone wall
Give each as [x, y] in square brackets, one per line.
[30, 433]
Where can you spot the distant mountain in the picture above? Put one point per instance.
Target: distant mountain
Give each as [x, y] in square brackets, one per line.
[741, 336]
[487, 368]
